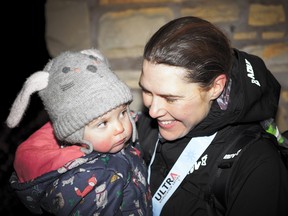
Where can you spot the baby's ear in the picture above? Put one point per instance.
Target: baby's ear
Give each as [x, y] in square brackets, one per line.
[134, 115]
[35, 82]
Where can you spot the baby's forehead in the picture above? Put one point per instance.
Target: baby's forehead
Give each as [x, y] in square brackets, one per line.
[110, 112]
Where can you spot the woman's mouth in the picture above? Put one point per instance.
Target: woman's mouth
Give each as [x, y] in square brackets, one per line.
[166, 124]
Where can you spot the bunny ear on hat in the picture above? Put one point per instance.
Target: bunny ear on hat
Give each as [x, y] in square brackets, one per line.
[35, 82]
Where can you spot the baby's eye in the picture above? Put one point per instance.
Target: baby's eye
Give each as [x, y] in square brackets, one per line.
[102, 124]
[123, 113]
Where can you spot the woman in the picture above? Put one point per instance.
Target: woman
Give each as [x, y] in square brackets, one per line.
[199, 90]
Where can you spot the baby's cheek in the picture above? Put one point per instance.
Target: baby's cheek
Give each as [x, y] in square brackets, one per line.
[103, 146]
[129, 128]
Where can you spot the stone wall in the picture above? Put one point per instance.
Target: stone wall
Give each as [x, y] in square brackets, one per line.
[120, 29]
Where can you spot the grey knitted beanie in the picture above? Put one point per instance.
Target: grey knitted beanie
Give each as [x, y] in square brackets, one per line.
[75, 87]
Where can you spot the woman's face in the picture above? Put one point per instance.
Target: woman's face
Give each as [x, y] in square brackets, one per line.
[110, 132]
[177, 105]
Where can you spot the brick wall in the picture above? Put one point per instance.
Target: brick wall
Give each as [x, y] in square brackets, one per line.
[120, 29]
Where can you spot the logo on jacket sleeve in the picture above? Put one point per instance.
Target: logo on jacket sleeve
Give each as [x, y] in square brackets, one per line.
[250, 73]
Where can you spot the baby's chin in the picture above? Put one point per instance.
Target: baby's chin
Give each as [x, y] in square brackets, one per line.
[117, 148]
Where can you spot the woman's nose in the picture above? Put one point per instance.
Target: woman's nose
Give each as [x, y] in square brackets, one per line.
[156, 108]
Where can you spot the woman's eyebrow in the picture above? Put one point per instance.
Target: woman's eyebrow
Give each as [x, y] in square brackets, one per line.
[161, 95]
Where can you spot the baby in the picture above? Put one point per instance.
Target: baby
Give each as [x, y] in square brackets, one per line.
[96, 167]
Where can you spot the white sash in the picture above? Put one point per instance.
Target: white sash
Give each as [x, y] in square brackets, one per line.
[183, 165]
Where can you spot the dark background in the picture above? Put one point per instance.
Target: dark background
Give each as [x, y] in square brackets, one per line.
[25, 52]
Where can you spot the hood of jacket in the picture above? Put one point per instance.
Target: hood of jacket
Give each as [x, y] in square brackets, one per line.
[251, 95]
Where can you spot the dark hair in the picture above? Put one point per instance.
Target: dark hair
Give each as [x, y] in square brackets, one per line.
[192, 43]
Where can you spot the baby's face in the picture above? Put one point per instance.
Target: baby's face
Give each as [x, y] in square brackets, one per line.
[110, 132]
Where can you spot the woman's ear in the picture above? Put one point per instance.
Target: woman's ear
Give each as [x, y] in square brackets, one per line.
[218, 86]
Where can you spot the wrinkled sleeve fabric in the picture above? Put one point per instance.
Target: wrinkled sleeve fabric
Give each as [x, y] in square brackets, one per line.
[259, 184]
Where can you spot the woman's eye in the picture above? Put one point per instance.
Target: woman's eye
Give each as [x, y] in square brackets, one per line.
[146, 92]
[170, 100]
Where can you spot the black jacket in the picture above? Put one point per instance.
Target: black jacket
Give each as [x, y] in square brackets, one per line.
[259, 182]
